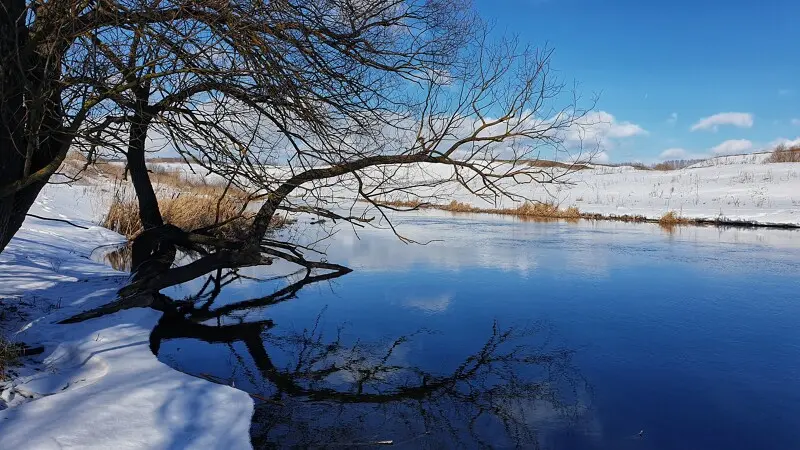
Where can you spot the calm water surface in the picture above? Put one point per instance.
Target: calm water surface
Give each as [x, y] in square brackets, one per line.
[507, 333]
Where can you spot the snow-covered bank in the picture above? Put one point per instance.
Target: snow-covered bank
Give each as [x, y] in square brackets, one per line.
[733, 188]
[97, 384]
[740, 188]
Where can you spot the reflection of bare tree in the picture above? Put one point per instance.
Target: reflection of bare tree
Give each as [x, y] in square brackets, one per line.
[326, 392]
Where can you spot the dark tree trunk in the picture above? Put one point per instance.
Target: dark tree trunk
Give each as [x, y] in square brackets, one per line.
[14, 150]
[149, 213]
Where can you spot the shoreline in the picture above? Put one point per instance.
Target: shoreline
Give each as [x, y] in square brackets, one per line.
[668, 220]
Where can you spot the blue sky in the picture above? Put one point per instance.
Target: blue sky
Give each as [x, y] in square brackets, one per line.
[665, 66]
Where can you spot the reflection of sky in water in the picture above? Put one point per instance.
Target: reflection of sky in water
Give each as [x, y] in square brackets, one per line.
[689, 335]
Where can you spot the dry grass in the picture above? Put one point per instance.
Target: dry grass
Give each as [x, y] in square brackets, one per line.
[783, 154]
[547, 163]
[676, 164]
[543, 210]
[9, 353]
[672, 218]
[189, 210]
[455, 206]
[547, 209]
[412, 204]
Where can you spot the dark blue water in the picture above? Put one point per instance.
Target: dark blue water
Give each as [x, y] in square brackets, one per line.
[689, 337]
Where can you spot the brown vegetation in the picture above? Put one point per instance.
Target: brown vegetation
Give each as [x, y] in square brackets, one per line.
[9, 352]
[671, 218]
[191, 209]
[545, 210]
[784, 154]
[675, 164]
[561, 165]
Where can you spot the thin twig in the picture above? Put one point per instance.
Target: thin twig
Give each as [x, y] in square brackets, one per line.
[57, 220]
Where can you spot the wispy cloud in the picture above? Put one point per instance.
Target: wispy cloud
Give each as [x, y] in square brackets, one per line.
[737, 119]
[673, 153]
[796, 122]
[732, 146]
[680, 153]
[673, 119]
[786, 92]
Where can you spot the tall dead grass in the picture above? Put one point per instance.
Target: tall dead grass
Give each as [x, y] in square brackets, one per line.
[544, 210]
[191, 209]
[671, 218]
[9, 353]
[783, 154]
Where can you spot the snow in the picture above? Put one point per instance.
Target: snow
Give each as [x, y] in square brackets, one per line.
[741, 188]
[97, 385]
[735, 187]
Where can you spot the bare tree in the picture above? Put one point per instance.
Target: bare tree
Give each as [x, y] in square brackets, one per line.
[326, 88]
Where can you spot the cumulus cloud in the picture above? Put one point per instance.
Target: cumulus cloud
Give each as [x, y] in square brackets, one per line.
[601, 158]
[600, 127]
[785, 141]
[737, 119]
[673, 153]
[732, 146]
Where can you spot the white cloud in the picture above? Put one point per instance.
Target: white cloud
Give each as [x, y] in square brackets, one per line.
[673, 153]
[673, 119]
[601, 158]
[599, 127]
[796, 122]
[732, 146]
[785, 141]
[737, 119]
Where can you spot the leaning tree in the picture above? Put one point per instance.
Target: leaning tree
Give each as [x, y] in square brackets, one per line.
[300, 103]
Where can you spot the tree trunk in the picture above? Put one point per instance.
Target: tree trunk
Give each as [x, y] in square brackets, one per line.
[149, 212]
[13, 113]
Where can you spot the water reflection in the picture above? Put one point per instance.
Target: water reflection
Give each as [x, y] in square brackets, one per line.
[688, 334]
[117, 256]
[324, 390]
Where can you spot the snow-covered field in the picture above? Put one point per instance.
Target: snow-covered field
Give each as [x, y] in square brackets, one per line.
[740, 188]
[97, 384]
[736, 188]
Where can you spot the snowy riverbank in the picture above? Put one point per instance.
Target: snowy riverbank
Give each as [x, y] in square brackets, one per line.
[739, 188]
[97, 384]
[733, 188]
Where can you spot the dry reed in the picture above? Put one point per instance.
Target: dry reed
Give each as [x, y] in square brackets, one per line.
[671, 218]
[9, 353]
[544, 210]
[191, 209]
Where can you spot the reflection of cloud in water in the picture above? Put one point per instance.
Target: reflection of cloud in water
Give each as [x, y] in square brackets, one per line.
[431, 305]
[453, 245]
[459, 242]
